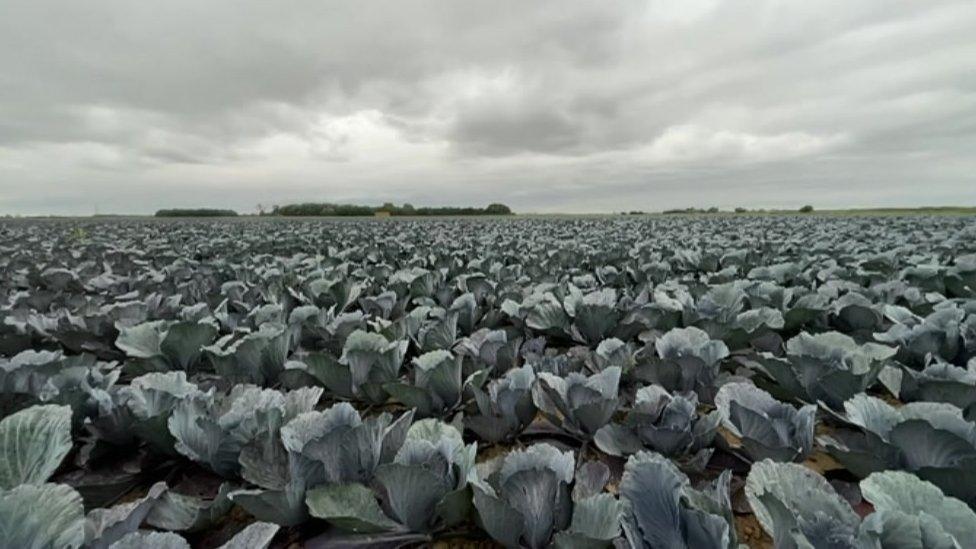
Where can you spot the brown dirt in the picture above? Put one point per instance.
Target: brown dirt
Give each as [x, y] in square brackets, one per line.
[751, 533]
[822, 462]
[464, 544]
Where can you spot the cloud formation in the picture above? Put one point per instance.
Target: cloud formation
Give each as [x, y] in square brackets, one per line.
[121, 106]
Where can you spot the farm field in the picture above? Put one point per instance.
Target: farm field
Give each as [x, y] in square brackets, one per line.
[663, 382]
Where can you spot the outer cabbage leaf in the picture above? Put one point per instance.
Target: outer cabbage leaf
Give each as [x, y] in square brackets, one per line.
[909, 512]
[106, 526]
[41, 516]
[349, 506]
[151, 540]
[257, 535]
[186, 513]
[664, 511]
[32, 444]
[766, 427]
[799, 508]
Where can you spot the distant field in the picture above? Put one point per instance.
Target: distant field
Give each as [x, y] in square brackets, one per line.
[633, 356]
[853, 212]
[949, 210]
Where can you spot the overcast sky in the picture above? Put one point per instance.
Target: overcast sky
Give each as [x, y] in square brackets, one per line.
[130, 106]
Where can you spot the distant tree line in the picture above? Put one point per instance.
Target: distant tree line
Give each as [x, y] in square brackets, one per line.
[805, 209]
[196, 212]
[313, 209]
[711, 210]
[342, 210]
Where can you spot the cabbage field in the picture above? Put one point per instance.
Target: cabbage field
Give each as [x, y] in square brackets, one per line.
[663, 382]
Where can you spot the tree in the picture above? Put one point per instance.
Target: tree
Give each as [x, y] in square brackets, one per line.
[806, 209]
[740, 210]
[498, 209]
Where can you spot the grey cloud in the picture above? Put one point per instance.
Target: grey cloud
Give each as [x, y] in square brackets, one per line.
[502, 130]
[551, 106]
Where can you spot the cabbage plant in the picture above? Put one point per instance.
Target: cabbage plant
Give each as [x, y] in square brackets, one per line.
[368, 362]
[468, 312]
[213, 428]
[931, 439]
[540, 311]
[938, 381]
[49, 377]
[436, 385]
[431, 328]
[854, 312]
[338, 292]
[594, 315]
[315, 328]
[764, 426]
[578, 404]
[649, 312]
[960, 281]
[258, 358]
[663, 511]
[805, 311]
[687, 359]
[150, 400]
[524, 500]
[380, 305]
[414, 282]
[910, 512]
[505, 407]
[721, 312]
[613, 352]
[425, 486]
[33, 512]
[829, 367]
[717, 309]
[162, 345]
[489, 350]
[665, 423]
[301, 449]
[798, 508]
[936, 335]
